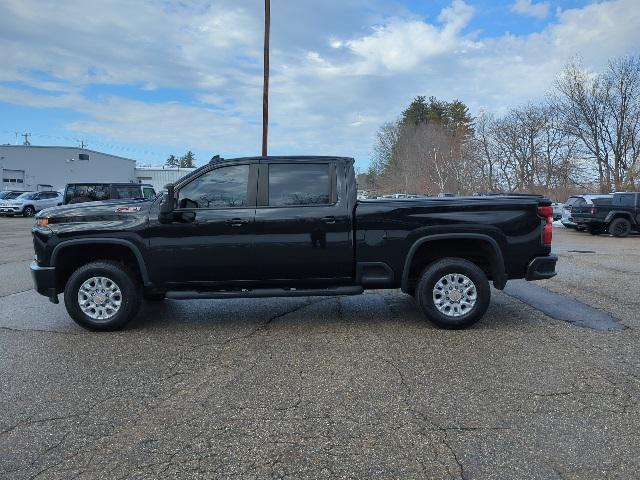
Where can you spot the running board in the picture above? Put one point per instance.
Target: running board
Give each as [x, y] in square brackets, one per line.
[265, 293]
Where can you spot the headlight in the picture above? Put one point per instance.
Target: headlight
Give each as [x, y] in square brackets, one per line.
[42, 221]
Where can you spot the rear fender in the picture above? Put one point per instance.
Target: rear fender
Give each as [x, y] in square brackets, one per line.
[497, 260]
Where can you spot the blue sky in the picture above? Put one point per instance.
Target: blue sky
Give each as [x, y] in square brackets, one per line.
[169, 77]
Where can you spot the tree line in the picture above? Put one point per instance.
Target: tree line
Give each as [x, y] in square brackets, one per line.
[583, 136]
[186, 161]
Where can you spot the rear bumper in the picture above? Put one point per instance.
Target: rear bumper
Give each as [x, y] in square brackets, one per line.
[585, 222]
[541, 268]
[44, 279]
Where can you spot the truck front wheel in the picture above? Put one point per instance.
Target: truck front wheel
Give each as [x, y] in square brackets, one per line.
[102, 296]
[453, 293]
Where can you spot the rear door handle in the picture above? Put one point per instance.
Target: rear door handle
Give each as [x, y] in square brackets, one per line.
[329, 220]
[237, 222]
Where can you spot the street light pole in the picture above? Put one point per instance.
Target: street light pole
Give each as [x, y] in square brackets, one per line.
[265, 87]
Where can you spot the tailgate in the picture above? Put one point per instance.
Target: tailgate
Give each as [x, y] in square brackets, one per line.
[581, 212]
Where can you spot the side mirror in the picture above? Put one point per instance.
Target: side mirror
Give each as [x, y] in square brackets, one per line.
[168, 204]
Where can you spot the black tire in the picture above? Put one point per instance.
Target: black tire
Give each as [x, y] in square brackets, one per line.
[28, 211]
[432, 275]
[154, 297]
[620, 227]
[118, 273]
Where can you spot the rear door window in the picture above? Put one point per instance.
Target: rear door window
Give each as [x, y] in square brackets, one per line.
[299, 184]
[624, 199]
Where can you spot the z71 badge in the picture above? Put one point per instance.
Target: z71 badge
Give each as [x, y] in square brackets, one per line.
[127, 209]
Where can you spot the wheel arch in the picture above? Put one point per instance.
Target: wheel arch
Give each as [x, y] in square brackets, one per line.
[85, 242]
[496, 260]
[615, 214]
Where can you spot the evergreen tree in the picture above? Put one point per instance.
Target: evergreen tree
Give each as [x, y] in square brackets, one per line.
[188, 161]
[172, 161]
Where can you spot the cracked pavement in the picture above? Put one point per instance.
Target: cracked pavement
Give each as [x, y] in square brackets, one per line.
[327, 387]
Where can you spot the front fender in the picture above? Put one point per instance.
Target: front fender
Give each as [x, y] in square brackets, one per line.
[104, 241]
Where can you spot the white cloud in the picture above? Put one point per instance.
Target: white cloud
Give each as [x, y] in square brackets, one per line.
[336, 76]
[401, 45]
[528, 7]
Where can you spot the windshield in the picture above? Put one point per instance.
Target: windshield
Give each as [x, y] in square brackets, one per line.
[79, 193]
[26, 196]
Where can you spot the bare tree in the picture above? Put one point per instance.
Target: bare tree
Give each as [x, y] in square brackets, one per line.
[601, 111]
[622, 81]
[587, 130]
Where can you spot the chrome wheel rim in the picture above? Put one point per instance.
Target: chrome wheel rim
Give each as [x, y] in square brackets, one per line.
[454, 295]
[100, 298]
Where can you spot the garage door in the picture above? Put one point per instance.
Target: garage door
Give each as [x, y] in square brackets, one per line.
[12, 179]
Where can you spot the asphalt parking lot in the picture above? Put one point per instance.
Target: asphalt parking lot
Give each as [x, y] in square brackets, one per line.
[352, 387]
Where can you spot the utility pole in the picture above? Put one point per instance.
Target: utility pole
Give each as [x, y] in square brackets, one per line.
[265, 86]
[26, 136]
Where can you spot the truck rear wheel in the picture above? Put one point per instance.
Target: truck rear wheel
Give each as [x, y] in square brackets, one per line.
[453, 293]
[102, 296]
[620, 227]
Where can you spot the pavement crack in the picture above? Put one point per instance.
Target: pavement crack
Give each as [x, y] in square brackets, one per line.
[36, 330]
[16, 293]
[445, 441]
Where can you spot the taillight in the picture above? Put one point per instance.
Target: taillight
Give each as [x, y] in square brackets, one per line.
[547, 230]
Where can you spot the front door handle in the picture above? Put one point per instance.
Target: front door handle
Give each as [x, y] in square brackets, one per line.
[237, 222]
[329, 220]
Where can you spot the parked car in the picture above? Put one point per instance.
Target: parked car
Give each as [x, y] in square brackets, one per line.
[619, 216]
[567, 219]
[92, 192]
[557, 211]
[28, 203]
[284, 227]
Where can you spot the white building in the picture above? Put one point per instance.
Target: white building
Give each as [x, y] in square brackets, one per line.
[160, 176]
[51, 168]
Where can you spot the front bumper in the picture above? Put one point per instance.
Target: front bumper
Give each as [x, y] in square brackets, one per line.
[44, 279]
[10, 210]
[541, 268]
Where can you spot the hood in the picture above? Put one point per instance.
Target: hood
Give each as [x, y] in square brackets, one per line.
[96, 211]
[12, 201]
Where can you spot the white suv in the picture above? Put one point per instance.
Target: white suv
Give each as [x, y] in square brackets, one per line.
[29, 203]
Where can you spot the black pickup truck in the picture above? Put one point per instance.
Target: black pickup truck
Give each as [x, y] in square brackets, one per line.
[286, 226]
[619, 215]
